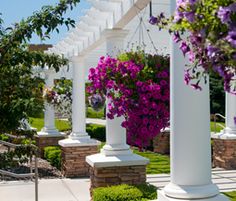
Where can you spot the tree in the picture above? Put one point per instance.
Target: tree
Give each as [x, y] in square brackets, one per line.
[20, 90]
[217, 94]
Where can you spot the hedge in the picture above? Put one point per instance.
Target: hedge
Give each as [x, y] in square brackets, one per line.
[124, 192]
[53, 155]
[97, 132]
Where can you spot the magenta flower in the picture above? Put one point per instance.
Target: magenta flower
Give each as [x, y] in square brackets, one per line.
[184, 47]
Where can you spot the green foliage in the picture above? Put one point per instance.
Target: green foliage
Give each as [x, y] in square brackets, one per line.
[4, 137]
[53, 155]
[21, 92]
[14, 157]
[94, 114]
[125, 193]
[97, 132]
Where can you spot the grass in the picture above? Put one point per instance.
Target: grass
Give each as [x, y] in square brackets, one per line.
[159, 164]
[231, 195]
[218, 128]
[93, 114]
[38, 123]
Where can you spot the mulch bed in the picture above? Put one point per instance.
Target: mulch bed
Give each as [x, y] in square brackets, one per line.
[45, 170]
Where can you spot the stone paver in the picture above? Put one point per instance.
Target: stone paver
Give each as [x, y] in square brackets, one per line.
[49, 189]
[78, 189]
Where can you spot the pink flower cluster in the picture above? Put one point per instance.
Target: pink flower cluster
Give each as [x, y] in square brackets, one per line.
[138, 89]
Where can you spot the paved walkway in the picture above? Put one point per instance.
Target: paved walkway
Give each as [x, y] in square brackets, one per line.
[78, 189]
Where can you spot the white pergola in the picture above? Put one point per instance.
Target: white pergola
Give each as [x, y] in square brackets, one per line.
[190, 131]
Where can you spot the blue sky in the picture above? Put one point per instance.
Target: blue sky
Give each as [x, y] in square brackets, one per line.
[14, 10]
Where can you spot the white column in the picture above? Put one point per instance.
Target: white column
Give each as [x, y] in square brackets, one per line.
[115, 133]
[230, 114]
[115, 153]
[78, 136]
[49, 113]
[78, 99]
[190, 138]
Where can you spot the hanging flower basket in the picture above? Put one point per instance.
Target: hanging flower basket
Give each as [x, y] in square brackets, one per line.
[137, 86]
[210, 43]
[60, 96]
[97, 102]
[50, 96]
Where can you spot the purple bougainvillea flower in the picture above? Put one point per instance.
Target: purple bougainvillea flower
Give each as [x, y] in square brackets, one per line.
[184, 47]
[231, 38]
[212, 51]
[224, 14]
[176, 37]
[235, 120]
[153, 20]
[187, 77]
[190, 16]
[196, 87]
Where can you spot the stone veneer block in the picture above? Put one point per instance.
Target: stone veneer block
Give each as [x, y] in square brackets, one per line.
[161, 143]
[43, 141]
[224, 153]
[115, 170]
[73, 160]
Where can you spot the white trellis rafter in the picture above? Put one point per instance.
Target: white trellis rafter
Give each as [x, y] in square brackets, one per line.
[104, 14]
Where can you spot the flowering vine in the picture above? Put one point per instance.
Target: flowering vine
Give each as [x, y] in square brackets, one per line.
[211, 41]
[137, 87]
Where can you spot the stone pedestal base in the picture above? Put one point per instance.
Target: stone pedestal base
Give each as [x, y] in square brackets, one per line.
[73, 157]
[115, 170]
[224, 153]
[161, 143]
[43, 141]
[163, 197]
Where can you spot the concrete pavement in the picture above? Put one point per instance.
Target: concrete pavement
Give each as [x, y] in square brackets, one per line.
[78, 189]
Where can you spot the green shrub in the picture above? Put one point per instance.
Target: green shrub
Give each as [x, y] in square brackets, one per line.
[53, 155]
[4, 137]
[97, 132]
[125, 192]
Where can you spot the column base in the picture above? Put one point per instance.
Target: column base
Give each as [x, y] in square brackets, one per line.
[116, 150]
[115, 170]
[49, 132]
[79, 136]
[163, 197]
[44, 140]
[74, 153]
[190, 191]
[224, 151]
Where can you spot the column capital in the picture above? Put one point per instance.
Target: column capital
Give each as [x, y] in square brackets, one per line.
[115, 33]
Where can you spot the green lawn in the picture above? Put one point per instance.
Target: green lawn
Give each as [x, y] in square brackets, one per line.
[158, 163]
[231, 195]
[218, 128]
[38, 123]
[93, 114]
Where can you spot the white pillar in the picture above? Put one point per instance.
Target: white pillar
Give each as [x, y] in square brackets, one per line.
[115, 153]
[190, 138]
[78, 99]
[49, 113]
[78, 136]
[115, 133]
[230, 114]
